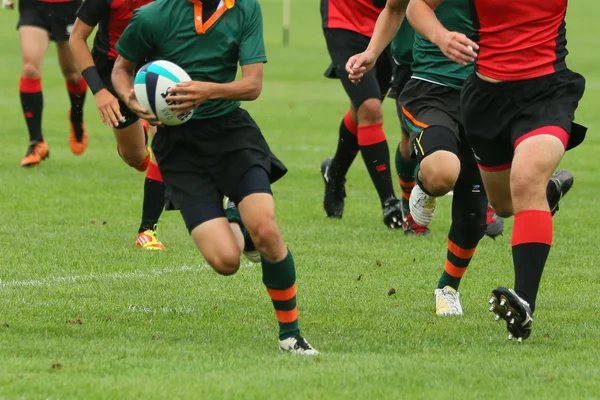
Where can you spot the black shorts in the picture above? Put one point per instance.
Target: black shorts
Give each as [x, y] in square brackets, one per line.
[497, 115]
[56, 18]
[400, 77]
[424, 104]
[104, 66]
[203, 160]
[343, 44]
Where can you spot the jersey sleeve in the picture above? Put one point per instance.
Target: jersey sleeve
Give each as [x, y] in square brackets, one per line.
[252, 46]
[91, 12]
[138, 41]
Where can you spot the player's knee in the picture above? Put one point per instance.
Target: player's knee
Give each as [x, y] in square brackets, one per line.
[226, 263]
[439, 172]
[502, 207]
[133, 157]
[265, 235]
[31, 71]
[370, 112]
[72, 76]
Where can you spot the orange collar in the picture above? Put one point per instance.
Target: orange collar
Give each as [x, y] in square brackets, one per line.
[202, 27]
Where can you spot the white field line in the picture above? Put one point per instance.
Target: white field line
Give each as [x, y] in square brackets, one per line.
[92, 276]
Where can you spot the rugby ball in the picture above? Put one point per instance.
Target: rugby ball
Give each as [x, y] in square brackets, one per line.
[151, 86]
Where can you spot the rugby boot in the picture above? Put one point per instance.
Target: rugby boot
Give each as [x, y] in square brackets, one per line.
[559, 185]
[335, 192]
[36, 152]
[507, 305]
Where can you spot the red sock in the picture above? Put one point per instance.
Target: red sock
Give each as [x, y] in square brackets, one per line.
[153, 172]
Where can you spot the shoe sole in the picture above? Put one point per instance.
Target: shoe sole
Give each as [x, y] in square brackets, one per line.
[502, 304]
[37, 163]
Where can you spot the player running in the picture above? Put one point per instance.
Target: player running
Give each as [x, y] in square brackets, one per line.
[347, 26]
[429, 110]
[112, 17]
[221, 150]
[518, 110]
[42, 21]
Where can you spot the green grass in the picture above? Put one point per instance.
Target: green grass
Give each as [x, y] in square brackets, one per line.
[84, 314]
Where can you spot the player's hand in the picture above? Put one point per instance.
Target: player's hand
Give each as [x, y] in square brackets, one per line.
[458, 47]
[359, 64]
[108, 107]
[187, 96]
[8, 5]
[136, 107]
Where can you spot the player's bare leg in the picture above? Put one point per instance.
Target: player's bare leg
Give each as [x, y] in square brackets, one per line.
[132, 145]
[34, 44]
[76, 87]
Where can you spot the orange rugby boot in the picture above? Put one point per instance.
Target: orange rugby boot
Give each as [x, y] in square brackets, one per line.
[77, 146]
[36, 152]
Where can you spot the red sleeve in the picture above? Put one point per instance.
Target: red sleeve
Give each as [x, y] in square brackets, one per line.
[92, 12]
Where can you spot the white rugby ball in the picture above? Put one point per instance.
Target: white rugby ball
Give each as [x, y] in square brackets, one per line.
[151, 86]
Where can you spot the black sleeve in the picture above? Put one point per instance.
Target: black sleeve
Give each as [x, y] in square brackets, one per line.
[91, 12]
[376, 3]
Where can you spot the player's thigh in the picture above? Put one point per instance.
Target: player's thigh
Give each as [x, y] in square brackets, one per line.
[34, 44]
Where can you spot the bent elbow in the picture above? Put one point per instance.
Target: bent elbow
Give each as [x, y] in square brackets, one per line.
[255, 92]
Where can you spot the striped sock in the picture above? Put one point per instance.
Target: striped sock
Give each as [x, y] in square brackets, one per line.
[280, 280]
[405, 170]
[457, 262]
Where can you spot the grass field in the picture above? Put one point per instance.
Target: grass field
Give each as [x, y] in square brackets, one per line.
[84, 314]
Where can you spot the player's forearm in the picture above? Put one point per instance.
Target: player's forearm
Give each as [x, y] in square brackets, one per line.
[81, 52]
[245, 89]
[423, 19]
[122, 78]
[387, 25]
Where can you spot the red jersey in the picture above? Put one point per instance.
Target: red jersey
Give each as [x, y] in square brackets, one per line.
[354, 15]
[112, 17]
[520, 39]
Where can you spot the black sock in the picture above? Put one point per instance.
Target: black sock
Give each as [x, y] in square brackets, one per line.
[346, 152]
[33, 104]
[77, 93]
[531, 241]
[376, 155]
[154, 202]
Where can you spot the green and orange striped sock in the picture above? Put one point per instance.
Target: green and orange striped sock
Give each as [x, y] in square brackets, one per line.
[280, 280]
[457, 262]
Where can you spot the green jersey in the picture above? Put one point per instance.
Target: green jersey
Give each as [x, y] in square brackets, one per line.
[429, 62]
[402, 44]
[173, 30]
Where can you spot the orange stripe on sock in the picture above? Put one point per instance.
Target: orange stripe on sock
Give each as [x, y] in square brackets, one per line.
[453, 270]
[153, 172]
[405, 184]
[282, 295]
[405, 195]
[286, 317]
[459, 252]
[413, 119]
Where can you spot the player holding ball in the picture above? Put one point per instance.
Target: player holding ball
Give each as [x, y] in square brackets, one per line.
[220, 151]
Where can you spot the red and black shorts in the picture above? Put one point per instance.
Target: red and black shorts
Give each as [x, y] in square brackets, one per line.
[499, 116]
[343, 44]
[55, 17]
